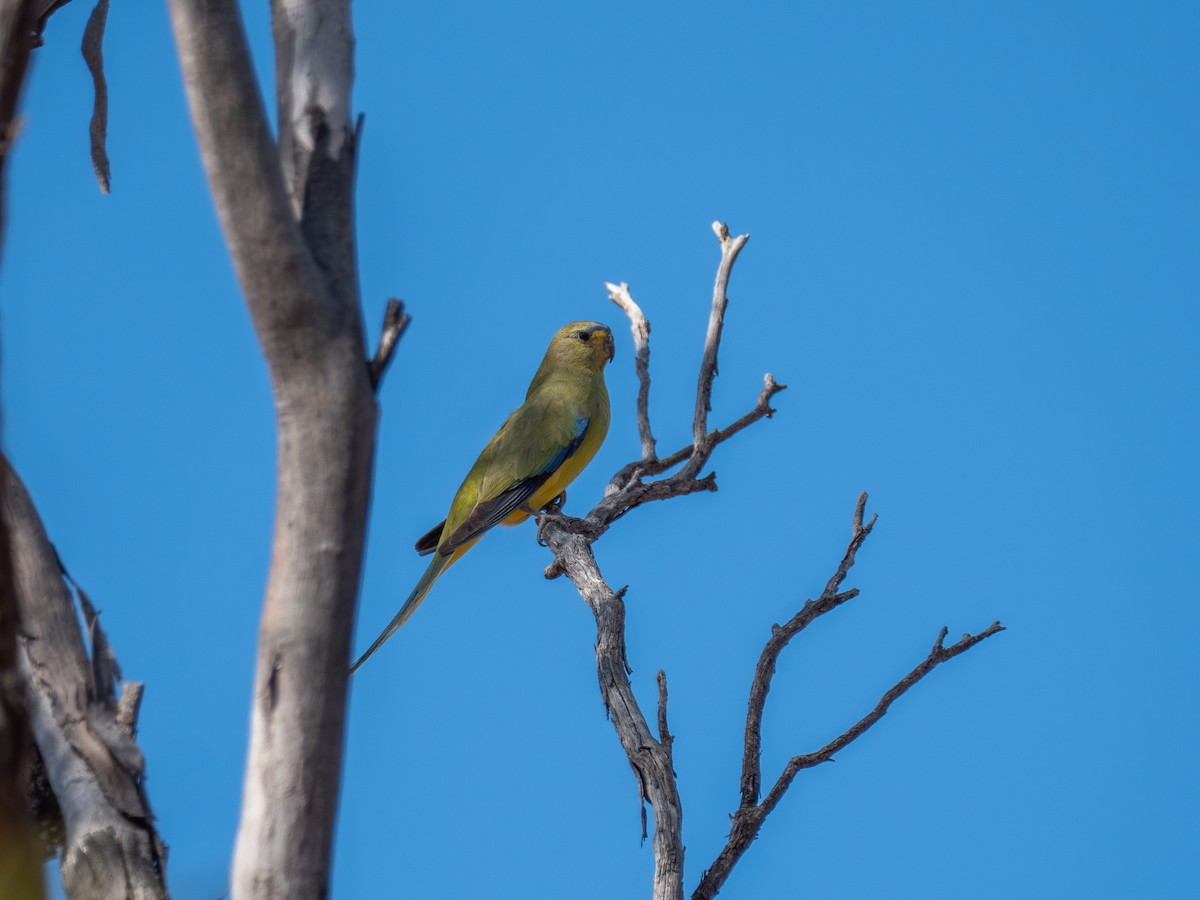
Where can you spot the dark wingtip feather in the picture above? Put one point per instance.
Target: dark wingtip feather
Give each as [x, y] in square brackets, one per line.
[429, 541]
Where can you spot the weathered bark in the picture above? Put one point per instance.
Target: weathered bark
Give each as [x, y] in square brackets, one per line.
[89, 767]
[93, 54]
[18, 19]
[649, 757]
[287, 214]
[571, 541]
[20, 871]
[20, 859]
[93, 764]
[20, 855]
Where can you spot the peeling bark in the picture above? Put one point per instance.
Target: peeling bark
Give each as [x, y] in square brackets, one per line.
[92, 761]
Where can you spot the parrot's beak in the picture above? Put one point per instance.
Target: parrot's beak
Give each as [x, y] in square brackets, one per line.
[610, 345]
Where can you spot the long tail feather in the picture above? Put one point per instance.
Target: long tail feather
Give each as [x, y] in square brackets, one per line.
[436, 567]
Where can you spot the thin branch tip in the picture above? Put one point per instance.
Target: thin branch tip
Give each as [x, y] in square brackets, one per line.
[753, 812]
[394, 316]
[721, 230]
[395, 323]
[128, 706]
[664, 733]
[639, 326]
[93, 54]
[859, 509]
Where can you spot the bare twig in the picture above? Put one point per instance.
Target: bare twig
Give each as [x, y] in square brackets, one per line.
[780, 637]
[639, 469]
[664, 734]
[93, 55]
[129, 705]
[730, 248]
[106, 671]
[640, 326]
[936, 657]
[627, 491]
[751, 814]
[395, 321]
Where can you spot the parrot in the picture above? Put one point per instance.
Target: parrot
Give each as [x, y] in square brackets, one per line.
[529, 462]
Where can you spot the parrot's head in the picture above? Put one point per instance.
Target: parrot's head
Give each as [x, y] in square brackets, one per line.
[587, 345]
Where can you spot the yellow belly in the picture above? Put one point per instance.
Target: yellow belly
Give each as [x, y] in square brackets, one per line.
[563, 475]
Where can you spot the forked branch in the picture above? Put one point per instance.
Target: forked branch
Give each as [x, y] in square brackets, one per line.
[626, 489]
[780, 637]
[751, 814]
[570, 540]
[285, 204]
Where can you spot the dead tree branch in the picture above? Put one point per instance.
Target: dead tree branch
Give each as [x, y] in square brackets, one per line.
[570, 540]
[751, 814]
[649, 758]
[640, 326]
[93, 55]
[62, 751]
[730, 248]
[626, 490]
[92, 762]
[938, 655]
[781, 636]
[395, 322]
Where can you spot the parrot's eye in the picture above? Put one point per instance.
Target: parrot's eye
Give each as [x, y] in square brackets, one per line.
[584, 335]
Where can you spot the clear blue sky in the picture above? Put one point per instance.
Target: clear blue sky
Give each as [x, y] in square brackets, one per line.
[975, 255]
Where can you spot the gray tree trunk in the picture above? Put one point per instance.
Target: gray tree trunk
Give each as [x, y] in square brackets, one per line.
[287, 212]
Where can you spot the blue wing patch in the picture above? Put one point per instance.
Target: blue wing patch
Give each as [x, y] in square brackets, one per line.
[581, 426]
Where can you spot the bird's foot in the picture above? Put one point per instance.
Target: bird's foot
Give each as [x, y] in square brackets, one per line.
[550, 515]
[545, 517]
